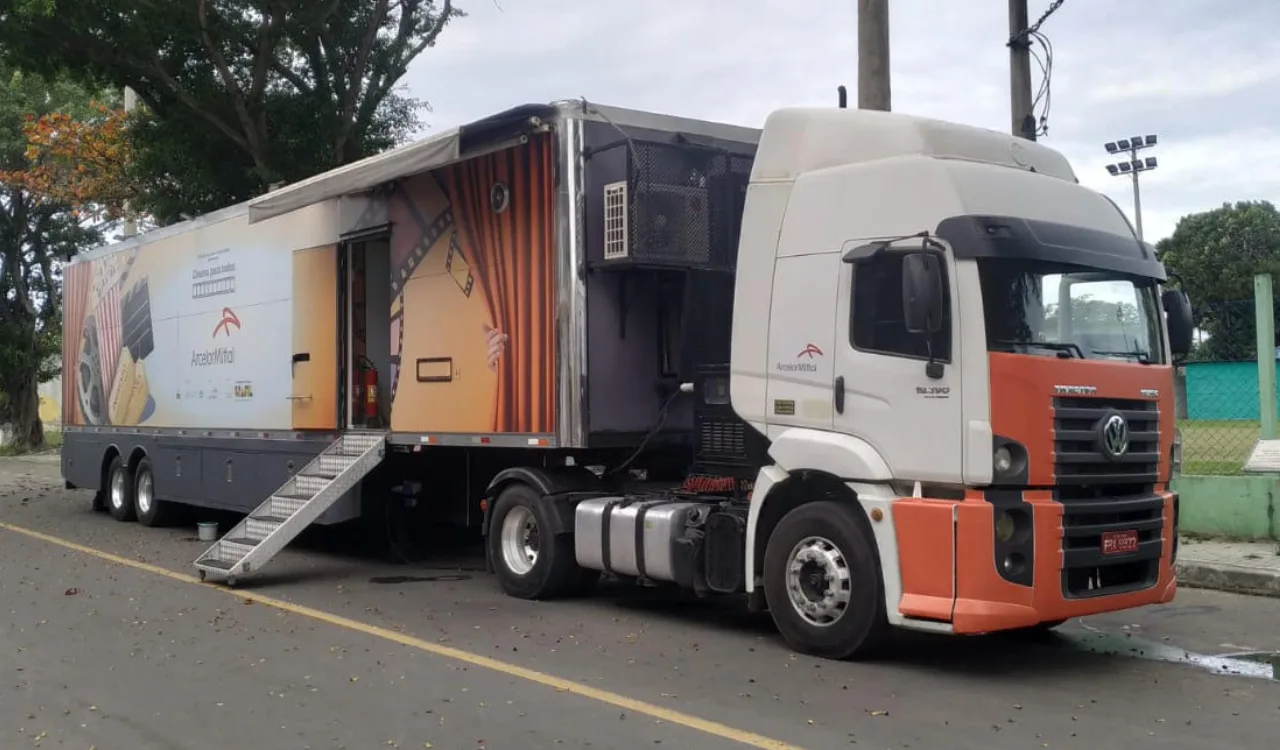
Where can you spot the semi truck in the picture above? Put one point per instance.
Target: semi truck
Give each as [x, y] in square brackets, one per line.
[862, 370]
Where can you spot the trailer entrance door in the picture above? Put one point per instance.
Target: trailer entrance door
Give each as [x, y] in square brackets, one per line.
[366, 336]
[315, 338]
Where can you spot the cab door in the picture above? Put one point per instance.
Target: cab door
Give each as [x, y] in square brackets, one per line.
[316, 306]
[889, 398]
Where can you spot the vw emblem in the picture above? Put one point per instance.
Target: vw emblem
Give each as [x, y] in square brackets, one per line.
[1114, 435]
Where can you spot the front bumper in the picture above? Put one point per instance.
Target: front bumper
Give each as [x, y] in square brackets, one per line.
[1068, 575]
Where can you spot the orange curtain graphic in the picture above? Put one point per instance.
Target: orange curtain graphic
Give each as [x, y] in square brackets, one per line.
[509, 244]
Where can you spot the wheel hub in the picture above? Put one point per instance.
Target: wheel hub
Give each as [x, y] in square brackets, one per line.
[117, 489]
[144, 493]
[521, 540]
[818, 581]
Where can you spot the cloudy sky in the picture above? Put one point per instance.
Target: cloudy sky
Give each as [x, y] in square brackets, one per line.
[1203, 74]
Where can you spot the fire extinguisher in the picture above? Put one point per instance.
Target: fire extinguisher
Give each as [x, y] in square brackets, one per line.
[368, 391]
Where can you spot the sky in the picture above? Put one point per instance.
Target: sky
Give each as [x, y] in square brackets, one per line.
[1200, 74]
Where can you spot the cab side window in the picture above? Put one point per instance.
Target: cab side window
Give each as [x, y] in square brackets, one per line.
[877, 324]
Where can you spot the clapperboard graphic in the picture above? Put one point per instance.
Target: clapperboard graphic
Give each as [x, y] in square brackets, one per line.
[135, 320]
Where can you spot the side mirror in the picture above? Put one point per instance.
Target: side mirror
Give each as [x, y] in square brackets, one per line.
[1177, 313]
[922, 292]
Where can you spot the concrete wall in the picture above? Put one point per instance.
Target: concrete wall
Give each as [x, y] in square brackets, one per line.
[1237, 507]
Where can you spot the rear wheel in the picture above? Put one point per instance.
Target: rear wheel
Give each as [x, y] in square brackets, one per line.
[822, 581]
[529, 562]
[120, 500]
[151, 510]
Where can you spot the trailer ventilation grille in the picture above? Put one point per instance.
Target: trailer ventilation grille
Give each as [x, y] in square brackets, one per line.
[615, 221]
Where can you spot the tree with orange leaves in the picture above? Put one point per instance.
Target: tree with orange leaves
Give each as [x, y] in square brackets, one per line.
[78, 161]
[36, 231]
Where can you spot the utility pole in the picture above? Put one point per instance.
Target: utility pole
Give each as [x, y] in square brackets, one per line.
[130, 223]
[873, 55]
[1023, 118]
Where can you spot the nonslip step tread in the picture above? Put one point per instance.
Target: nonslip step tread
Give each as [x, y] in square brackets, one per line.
[244, 540]
[270, 519]
[216, 563]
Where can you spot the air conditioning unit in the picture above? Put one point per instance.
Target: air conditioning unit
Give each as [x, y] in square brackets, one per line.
[657, 223]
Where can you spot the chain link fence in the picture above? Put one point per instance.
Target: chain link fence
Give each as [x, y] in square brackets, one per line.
[1220, 421]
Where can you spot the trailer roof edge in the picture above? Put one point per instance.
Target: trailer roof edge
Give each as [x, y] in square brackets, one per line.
[492, 133]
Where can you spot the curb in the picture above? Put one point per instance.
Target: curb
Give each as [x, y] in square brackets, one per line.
[1236, 579]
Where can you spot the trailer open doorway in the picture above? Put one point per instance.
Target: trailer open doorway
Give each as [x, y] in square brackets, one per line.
[367, 328]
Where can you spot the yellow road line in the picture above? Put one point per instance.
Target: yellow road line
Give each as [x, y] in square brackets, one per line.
[706, 726]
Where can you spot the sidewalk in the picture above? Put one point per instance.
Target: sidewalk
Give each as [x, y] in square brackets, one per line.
[1242, 567]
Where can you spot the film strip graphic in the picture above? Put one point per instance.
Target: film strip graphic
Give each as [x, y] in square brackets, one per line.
[431, 233]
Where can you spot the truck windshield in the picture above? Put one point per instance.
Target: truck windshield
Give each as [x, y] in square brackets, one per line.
[1054, 310]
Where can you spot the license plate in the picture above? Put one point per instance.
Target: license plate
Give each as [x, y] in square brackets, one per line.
[1119, 542]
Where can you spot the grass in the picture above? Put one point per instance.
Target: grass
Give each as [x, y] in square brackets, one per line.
[52, 439]
[1217, 446]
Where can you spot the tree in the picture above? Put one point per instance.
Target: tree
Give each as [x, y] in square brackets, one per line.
[273, 90]
[78, 161]
[1216, 254]
[34, 233]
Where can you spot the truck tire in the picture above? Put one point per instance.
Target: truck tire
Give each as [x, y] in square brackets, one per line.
[822, 581]
[119, 488]
[151, 511]
[528, 563]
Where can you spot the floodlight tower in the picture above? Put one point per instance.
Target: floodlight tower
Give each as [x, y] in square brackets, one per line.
[1131, 167]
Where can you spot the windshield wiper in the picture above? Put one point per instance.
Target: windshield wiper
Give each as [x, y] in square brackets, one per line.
[1143, 357]
[1061, 347]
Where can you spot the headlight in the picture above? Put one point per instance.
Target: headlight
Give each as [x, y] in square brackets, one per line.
[1003, 460]
[1006, 527]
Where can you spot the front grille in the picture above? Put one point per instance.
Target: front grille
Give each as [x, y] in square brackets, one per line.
[1079, 455]
[1087, 571]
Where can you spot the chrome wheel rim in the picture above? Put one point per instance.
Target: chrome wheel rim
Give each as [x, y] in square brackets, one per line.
[520, 541]
[117, 489]
[818, 581]
[145, 492]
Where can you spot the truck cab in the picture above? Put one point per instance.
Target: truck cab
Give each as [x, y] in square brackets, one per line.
[943, 335]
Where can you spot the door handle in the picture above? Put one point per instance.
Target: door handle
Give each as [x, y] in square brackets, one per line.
[839, 387]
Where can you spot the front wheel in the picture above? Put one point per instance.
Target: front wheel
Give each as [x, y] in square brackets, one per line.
[529, 562]
[822, 581]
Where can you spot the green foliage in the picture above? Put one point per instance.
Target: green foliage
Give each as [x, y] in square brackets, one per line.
[33, 235]
[1216, 253]
[243, 93]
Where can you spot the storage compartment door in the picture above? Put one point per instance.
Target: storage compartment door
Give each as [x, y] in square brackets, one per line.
[315, 338]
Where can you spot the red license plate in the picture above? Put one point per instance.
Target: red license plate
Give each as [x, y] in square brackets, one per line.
[1119, 542]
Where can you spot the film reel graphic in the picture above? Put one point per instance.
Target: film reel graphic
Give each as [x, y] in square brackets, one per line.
[89, 389]
[431, 232]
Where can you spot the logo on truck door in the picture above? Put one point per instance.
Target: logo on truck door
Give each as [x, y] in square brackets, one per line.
[810, 351]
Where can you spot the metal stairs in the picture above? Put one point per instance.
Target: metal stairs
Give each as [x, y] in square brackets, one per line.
[262, 534]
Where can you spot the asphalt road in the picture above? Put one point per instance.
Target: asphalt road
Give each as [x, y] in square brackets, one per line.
[107, 641]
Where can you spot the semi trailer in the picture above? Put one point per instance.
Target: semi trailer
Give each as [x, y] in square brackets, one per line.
[862, 369]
